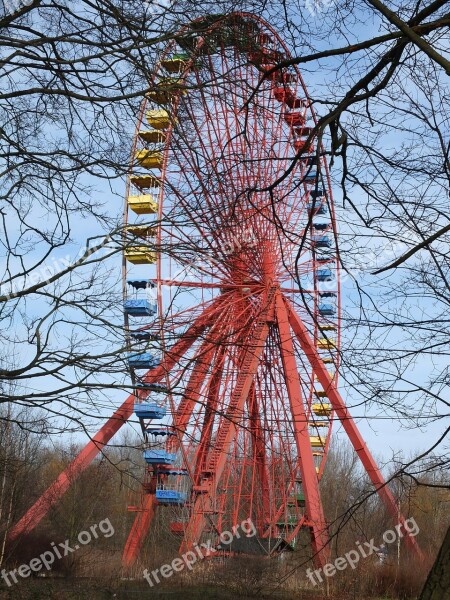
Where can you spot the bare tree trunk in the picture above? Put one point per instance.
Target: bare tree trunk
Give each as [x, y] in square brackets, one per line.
[7, 444]
[437, 586]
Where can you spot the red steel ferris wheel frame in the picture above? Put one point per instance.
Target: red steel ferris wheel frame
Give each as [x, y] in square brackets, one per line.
[313, 505]
[195, 525]
[276, 316]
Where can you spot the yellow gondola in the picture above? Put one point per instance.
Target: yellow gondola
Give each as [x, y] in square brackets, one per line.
[143, 205]
[145, 182]
[176, 64]
[328, 360]
[322, 410]
[326, 344]
[140, 255]
[152, 136]
[317, 455]
[158, 119]
[150, 159]
[142, 231]
[166, 91]
[317, 441]
[161, 96]
[330, 373]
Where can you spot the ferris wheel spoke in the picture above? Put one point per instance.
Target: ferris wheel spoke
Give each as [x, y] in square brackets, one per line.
[192, 393]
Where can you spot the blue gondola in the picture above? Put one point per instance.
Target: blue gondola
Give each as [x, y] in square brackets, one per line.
[140, 284]
[171, 497]
[310, 178]
[152, 387]
[317, 193]
[143, 360]
[139, 307]
[327, 310]
[143, 306]
[159, 457]
[172, 472]
[143, 336]
[310, 161]
[324, 275]
[158, 431]
[317, 208]
[321, 226]
[321, 241]
[147, 410]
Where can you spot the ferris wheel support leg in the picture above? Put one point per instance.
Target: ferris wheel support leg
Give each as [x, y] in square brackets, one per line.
[139, 530]
[259, 458]
[218, 455]
[57, 489]
[350, 426]
[314, 510]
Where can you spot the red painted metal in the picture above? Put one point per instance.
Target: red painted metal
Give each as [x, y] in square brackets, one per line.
[181, 418]
[314, 510]
[141, 524]
[208, 419]
[218, 453]
[40, 508]
[243, 457]
[241, 381]
[253, 463]
[259, 460]
[349, 426]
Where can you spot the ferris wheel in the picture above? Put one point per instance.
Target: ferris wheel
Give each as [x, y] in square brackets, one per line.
[231, 296]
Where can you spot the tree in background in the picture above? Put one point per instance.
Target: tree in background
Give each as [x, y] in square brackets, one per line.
[72, 81]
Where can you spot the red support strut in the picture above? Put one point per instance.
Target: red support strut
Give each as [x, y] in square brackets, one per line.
[349, 425]
[314, 510]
